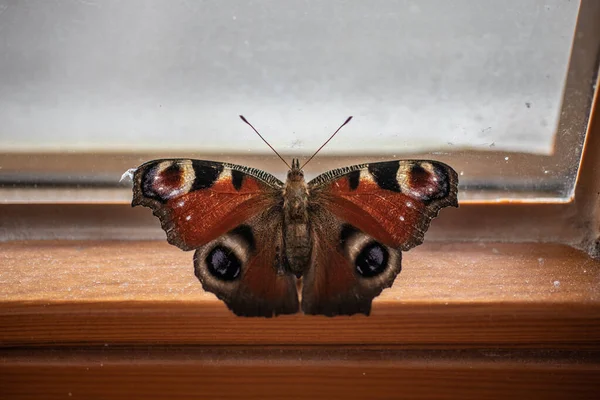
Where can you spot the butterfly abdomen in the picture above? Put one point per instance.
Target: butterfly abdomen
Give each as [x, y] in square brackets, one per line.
[297, 237]
[298, 246]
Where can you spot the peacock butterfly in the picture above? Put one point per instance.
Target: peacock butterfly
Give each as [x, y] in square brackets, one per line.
[254, 236]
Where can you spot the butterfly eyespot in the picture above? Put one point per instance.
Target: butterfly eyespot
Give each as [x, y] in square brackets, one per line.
[168, 179]
[372, 260]
[223, 264]
[426, 181]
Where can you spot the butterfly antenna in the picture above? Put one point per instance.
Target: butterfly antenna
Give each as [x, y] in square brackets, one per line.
[259, 135]
[331, 137]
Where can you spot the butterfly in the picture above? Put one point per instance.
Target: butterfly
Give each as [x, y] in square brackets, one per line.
[341, 235]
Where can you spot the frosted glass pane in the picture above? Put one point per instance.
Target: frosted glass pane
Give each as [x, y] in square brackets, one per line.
[164, 74]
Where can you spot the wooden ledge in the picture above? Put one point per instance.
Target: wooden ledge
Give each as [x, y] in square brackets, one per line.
[303, 373]
[449, 295]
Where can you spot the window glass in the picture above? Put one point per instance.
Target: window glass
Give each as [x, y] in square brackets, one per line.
[90, 88]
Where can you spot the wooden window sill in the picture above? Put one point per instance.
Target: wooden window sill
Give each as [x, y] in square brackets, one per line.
[449, 295]
[93, 319]
[295, 373]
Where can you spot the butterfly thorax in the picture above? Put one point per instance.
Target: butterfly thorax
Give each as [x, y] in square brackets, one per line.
[296, 226]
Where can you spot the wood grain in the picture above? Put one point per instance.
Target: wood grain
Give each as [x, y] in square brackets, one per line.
[308, 373]
[448, 295]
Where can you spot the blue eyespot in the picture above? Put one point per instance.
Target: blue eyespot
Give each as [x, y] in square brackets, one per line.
[372, 260]
[223, 264]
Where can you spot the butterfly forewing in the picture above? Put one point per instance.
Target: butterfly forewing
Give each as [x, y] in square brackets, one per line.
[197, 201]
[393, 201]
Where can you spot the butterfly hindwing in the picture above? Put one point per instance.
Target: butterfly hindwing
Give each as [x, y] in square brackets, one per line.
[197, 201]
[349, 268]
[245, 268]
[393, 201]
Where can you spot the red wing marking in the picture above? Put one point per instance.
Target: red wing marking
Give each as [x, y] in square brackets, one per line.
[202, 215]
[390, 217]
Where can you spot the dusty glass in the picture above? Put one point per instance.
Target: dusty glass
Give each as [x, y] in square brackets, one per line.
[501, 90]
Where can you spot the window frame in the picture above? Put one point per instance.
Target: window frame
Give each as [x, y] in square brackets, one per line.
[574, 220]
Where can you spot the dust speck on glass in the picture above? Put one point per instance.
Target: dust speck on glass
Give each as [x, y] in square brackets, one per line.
[90, 89]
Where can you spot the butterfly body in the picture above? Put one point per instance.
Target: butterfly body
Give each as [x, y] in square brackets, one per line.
[296, 221]
[343, 232]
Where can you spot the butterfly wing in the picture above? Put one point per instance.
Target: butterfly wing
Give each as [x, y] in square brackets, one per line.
[365, 215]
[349, 269]
[232, 216]
[245, 268]
[197, 201]
[393, 201]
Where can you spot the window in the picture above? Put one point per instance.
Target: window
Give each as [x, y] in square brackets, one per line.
[500, 90]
